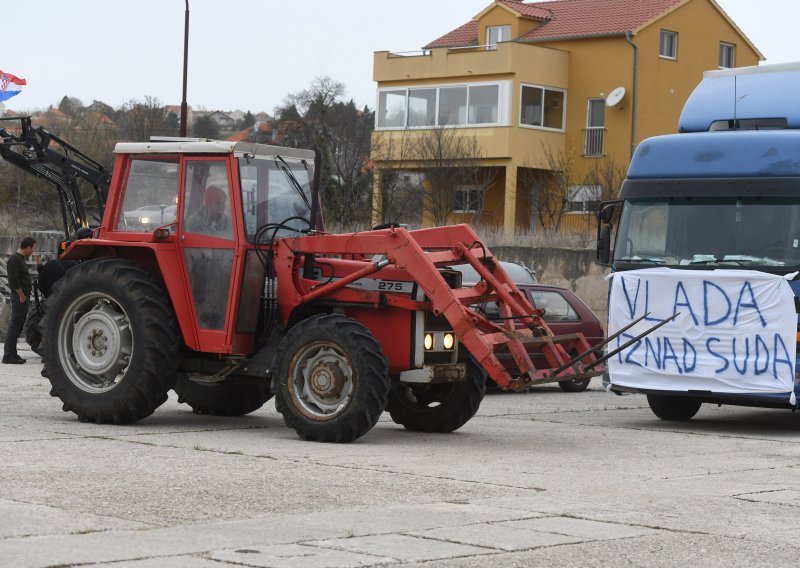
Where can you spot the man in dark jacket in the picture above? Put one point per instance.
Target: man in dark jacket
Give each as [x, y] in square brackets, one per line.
[19, 280]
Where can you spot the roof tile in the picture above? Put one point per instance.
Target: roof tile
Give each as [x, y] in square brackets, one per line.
[577, 18]
[569, 18]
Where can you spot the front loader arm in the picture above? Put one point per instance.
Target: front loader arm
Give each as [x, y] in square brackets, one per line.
[420, 254]
[47, 156]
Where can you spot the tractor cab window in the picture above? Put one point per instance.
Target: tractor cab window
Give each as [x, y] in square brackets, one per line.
[271, 199]
[207, 203]
[151, 194]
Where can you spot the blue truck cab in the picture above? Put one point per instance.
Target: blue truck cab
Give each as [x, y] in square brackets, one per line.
[723, 193]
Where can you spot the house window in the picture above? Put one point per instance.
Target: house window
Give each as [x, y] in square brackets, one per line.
[452, 106]
[583, 198]
[422, 107]
[668, 47]
[727, 55]
[594, 139]
[392, 109]
[481, 104]
[468, 199]
[542, 107]
[497, 34]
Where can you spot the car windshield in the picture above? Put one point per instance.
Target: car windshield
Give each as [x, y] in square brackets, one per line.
[270, 196]
[732, 231]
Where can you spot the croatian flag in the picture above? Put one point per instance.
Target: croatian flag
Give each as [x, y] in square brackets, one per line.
[9, 86]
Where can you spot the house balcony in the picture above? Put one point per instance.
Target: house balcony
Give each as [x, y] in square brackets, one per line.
[530, 63]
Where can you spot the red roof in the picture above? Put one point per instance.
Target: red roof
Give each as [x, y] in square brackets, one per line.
[465, 35]
[528, 10]
[585, 18]
[570, 18]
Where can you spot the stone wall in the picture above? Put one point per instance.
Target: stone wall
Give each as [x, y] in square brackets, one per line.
[575, 269]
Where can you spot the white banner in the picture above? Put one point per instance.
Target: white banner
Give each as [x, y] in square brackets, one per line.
[736, 332]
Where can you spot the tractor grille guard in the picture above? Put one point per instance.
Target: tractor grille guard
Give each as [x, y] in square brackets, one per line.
[422, 253]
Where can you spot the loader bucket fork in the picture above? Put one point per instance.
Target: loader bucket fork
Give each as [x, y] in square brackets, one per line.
[422, 254]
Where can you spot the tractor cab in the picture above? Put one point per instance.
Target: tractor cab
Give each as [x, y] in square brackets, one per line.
[197, 206]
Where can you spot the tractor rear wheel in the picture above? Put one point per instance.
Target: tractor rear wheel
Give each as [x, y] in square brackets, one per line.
[438, 408]
[227, 398]
[110, 342]
[332, 379]
[31, 328]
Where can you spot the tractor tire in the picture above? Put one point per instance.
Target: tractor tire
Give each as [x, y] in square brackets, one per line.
[332, 379]
[673, 408]
[575, 385]
[31, 328]
[438, 408]
[227, 398]
[110, 342]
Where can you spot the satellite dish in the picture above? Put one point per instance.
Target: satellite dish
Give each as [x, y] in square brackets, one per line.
[615, 97]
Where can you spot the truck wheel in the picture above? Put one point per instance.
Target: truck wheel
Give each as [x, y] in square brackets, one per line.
[332, 379]
[110, 343]
[575, 385]
[31, 329]
[438, 408]
[227, 398]
[676, 408]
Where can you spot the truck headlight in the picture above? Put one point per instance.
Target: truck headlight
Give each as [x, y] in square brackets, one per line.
[428, 341]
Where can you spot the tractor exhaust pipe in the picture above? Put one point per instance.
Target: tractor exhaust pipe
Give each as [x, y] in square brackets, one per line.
[316, 214]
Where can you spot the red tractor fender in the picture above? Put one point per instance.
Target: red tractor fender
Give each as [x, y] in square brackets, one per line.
[161, 259]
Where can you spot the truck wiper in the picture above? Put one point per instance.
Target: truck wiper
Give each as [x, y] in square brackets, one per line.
[738, 261]
[642, 260]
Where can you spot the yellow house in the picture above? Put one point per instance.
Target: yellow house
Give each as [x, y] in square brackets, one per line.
[539, 106]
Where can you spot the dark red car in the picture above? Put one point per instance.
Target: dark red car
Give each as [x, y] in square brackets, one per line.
[565, 313]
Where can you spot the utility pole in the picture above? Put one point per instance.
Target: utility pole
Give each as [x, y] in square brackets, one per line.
[185, 66]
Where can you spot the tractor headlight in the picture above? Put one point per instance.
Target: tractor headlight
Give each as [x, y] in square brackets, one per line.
[439, 341]
[448, 341]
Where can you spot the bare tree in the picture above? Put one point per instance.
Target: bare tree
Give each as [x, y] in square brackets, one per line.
[317, 118]
[607, 174]
[142, 119]
[450, 163]
[401, 189]
[548, 188]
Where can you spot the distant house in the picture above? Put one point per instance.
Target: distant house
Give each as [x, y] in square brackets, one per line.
[176, 109]
[583, 81]
[223, 119]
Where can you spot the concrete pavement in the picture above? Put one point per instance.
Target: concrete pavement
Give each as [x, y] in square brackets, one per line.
[545, 478]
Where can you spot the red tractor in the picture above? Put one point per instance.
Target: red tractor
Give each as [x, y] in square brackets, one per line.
[209, 274]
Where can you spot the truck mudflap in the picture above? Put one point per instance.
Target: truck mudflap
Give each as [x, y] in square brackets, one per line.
[421, 254]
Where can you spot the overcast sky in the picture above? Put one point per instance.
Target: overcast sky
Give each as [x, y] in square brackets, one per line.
[248, 54]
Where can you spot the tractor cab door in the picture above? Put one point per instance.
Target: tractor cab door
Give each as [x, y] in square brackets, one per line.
[208, 247]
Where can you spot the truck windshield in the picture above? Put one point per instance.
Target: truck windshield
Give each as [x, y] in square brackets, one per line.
[269, 195]
[747, 231]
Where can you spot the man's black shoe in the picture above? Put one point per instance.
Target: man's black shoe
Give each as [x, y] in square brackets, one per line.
[13, 360]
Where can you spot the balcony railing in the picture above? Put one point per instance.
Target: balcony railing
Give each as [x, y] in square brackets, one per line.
[594, 141]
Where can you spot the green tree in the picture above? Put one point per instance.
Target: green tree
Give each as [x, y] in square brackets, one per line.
[205, 127]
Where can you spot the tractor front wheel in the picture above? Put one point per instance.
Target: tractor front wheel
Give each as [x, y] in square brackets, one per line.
[332, 379]
[110, 342]
[438, 408]
[227, 398]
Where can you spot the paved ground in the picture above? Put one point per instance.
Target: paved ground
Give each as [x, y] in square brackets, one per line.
[546, 478]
